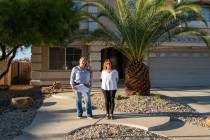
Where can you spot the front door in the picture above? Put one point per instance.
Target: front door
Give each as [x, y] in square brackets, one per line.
[118, 60]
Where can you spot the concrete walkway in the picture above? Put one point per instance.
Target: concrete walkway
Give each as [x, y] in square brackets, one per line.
[57, 117]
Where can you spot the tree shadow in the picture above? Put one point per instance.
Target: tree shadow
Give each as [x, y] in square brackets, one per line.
[189, 98]
[46, 104]
[30, 136]
[201, 100]
[183, 88]
[173, 124]
[161, 114]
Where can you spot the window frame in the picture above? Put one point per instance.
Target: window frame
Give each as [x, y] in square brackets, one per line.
[65, 62]
[207, 7]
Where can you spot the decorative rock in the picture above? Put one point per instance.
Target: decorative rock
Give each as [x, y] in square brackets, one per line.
[112, 132]
[47, 90]
[55, 88]
[22, 102]
[57, 85]
[4, 87]
[154, 105]
[12, 121]
[208, 121]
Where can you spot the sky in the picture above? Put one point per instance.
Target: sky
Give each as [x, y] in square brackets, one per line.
[23, 53]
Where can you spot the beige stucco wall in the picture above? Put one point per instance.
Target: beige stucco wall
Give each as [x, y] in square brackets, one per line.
[175, 49]
[41, 75]
[40, 72]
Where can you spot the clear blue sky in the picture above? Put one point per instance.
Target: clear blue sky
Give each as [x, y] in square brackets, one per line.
[23, 53]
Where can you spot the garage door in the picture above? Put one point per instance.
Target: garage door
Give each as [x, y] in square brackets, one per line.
[180, 70]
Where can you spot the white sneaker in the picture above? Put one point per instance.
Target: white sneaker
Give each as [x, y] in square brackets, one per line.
[90, 117]
[79, 117]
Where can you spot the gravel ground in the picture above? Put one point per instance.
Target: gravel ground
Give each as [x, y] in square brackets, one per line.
[12, 120]
[154, 105]
[112, 132]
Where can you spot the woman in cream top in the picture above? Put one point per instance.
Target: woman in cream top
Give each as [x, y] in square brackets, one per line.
[109, 78]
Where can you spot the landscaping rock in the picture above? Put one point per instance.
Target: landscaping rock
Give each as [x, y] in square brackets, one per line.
[154, 105]
[22, 102]
[112, 132]
[4, 87]
[12, 121]
[57, 85]
[55, 88]
[208, 121]
[46, 90]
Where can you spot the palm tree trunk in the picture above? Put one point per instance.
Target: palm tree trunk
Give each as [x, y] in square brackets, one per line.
[137, 79]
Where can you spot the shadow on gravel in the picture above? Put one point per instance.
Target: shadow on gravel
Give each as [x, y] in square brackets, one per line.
[183, 89]
[159, 114]
[202, 100]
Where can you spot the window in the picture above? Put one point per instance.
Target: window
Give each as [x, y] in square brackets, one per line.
[57, 58]
[206, 13]
[92, 25]
[78, 4]
[72, 57]
[64, 58]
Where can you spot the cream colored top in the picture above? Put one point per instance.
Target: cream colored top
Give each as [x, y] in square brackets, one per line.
[109, 80]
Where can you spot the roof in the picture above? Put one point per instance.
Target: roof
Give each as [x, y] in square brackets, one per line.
[185, 39]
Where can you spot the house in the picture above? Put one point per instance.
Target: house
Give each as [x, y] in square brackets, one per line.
[183, 62]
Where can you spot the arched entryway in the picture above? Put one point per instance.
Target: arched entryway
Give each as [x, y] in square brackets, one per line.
[118, 59]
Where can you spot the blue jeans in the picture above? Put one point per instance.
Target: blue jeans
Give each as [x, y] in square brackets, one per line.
[79, 103]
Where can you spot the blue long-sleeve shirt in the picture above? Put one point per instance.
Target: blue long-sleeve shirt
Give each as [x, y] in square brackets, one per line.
[80, 76]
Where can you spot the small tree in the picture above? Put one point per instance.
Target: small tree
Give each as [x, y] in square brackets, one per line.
[34, 22]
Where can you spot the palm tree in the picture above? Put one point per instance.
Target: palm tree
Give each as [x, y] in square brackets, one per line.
[141, 26]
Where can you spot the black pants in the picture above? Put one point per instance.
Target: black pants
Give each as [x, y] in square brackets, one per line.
[109, 96]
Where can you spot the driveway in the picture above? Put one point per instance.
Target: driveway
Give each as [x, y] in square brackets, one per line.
[197, 98]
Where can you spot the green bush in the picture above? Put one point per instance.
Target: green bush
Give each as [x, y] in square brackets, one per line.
[118, 97]
[158, 96]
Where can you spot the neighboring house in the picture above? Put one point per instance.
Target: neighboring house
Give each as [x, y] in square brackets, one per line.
[183, 62]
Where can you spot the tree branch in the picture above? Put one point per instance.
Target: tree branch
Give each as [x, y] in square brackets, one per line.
[11, 51]
[3, 49]
[9, 62]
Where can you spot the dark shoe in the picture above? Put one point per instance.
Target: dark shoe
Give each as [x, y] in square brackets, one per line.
[107, 116]
[79, 116]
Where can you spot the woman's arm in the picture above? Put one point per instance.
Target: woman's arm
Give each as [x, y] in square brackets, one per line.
[117, 76]
[101, 76]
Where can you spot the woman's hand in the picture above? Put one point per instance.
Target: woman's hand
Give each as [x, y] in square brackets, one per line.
[117, 79]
